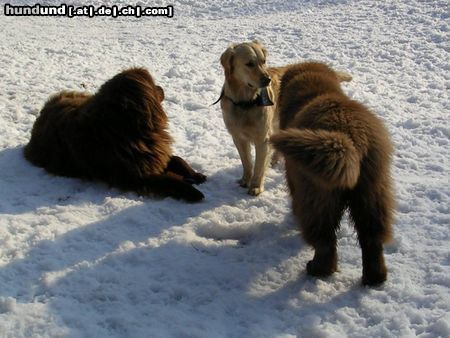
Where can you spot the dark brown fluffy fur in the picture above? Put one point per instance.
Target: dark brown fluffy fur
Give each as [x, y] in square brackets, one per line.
[338, 156]
[119, 136]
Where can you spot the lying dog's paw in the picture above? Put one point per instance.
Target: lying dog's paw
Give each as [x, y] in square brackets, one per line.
[189, 194]
[199, 178]
[255, 191]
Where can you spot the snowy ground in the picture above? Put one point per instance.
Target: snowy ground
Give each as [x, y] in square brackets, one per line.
[80, 259]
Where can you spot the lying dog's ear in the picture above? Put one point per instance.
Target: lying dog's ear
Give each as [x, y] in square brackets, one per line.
[160, 93]
[226, 60]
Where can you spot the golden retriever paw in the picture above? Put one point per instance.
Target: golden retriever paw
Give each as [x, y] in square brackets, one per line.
[243, 182]
[255, 191]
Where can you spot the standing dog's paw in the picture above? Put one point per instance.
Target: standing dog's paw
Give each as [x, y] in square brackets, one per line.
[243, 182]
[320, 269]
[374, 277]
[255, 191]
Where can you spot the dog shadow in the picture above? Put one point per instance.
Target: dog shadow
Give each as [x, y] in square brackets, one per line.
[177, 274]
[152, 260]
[31, 197]
[26, 188]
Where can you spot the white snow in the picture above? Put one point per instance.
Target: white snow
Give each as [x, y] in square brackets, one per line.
[79, 259]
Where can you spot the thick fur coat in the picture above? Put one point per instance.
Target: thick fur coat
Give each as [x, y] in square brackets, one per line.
[119, 136]
[338, 156]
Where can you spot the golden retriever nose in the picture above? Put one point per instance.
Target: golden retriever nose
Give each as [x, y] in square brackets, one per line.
[264, 81]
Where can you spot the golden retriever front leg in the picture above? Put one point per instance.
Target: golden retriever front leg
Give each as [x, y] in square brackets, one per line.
[243, 147]
[263, 152]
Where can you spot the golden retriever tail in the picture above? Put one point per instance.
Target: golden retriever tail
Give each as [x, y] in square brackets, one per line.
[328, 157]
[343, 76]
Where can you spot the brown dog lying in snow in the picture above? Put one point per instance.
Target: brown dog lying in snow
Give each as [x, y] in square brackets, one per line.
[338, 156]
[119, 136]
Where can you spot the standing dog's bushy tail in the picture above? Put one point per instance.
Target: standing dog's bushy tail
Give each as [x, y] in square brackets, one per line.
[328, 157]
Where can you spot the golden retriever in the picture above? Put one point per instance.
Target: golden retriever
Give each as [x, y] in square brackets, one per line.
[338, 156]
[248, 101]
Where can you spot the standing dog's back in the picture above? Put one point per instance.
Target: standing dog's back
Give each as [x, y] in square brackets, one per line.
[338, 155]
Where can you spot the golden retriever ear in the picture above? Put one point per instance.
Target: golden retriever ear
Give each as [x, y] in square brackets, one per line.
[226, 59]
[160, 93]
[256, 42]
[264, 52]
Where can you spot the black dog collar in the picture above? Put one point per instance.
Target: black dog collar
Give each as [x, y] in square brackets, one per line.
[261, 100]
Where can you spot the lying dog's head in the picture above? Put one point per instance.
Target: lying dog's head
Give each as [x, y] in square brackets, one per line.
[133, 98]
[246, 62]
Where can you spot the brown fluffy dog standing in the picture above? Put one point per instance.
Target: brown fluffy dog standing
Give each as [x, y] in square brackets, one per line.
[119, 136]
[338, 155]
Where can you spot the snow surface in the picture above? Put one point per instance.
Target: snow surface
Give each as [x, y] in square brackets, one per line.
[79, 259]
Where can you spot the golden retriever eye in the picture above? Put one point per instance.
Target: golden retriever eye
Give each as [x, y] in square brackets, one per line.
[250, 64]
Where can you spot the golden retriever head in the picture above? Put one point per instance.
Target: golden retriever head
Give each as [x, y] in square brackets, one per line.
[246, 62]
